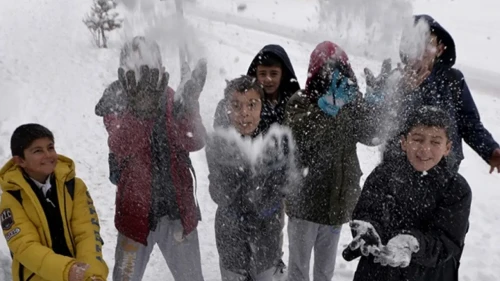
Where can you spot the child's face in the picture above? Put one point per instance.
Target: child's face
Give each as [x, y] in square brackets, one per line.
[244, 111]
[269, 77]
[432, 50]
[425, 147]
[40, 159]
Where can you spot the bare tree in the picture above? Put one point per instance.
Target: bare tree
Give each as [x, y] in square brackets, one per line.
[102, 19]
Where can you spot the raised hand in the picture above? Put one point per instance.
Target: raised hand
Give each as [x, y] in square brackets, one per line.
[341, 92]
[495, 161]
[192, 84]
[414, 76]
[375, 84]
[143, 97]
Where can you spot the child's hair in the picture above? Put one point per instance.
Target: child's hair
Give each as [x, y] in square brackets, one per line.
[429, 116]
[268, 59]
[25, 135]
[243, 84]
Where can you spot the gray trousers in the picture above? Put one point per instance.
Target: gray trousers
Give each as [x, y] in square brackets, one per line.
[233, 276]
[303, 236]
[182, 257]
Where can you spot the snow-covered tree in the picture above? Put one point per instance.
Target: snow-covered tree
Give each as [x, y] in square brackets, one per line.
[102, 19]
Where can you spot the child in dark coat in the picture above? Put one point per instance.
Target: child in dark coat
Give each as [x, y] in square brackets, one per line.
[248, 190]
[411, 219]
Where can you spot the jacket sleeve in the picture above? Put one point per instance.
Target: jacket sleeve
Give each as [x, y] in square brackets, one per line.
[25, 244]
[126, 135]
[304, 119]
[189, 131]
[112, 101]
[445, 239]
[368, 208]
[470, 125]
[226, 179]
[86, 231]
[365, 118]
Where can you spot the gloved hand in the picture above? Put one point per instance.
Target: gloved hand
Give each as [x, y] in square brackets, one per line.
[366, 239]
[192, 83]
[275, 152]
[226, 152]
[375, 84]
[376, 87]
[77, 271]
[143, 97]
[398, 251]
[341, 92]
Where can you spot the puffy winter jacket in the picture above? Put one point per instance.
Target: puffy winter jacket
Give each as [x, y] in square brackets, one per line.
[434, 208]
[26, 226]
[156, 176]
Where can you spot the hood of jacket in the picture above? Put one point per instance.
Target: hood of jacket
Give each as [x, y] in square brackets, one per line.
[449, 56]
[325, 52]
[289, 83]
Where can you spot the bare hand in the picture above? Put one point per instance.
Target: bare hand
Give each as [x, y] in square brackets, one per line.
[495, 161]
[413, 76]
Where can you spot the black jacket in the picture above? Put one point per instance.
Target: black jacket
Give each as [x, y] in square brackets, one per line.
[250, 200]
[434, 208]
[445, 88]
[289, 85]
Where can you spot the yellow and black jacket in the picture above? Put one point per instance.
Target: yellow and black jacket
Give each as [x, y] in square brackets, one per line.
[26, 227]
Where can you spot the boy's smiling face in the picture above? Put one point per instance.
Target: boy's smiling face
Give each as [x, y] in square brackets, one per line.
[39, 160]
[270, 78]
[425, 146]
[244, 111]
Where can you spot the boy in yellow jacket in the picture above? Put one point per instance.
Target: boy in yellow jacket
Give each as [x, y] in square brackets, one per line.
[46, 213]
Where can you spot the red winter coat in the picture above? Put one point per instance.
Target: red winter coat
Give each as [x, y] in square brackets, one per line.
[130, 142]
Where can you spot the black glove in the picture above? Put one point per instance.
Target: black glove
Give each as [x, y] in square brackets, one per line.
[367, 238]
[227, 153]
[150, 81]
[143, 96]
[192, 85]
[275, 154]
[375, 84]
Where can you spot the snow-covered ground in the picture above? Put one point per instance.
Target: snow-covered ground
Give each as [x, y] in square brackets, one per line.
[50, 73]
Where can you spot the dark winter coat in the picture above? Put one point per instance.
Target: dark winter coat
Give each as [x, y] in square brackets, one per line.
[155, 170]
[288, 86]
[445, 88]
[326, 147]
[326, 150]
[434, 208]
[249, 203]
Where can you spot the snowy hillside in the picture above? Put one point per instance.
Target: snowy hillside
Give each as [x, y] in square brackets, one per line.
[50, 73]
